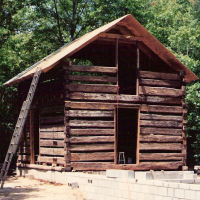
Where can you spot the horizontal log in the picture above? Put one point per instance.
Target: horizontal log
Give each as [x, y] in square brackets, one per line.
[82, 68]
[52, 119]
[52, 151]
[102, 79]
[93, 139]
[160, 138]
[91, 132]
[160, 91]
[51, 143]
[160, 131]
[92, 147]
[57, 160]
[52, 135]
[161, 117]
[89, 105]
[42, 167]
[161, 156]
[167, 124]
[160, 100]
[160, 83]
[93, 88]
[87, 113]
[87, 123]
[92, 156]
[159, 75]
[104, 97]
[161, 109]
[51, 127]
[161, 146]
[52, 109]
[25, 158]
[100, 166]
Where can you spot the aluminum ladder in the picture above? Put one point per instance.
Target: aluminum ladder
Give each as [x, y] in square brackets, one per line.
[19, 127]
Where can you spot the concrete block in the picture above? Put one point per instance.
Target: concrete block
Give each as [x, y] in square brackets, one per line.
[179, 193]
[167, 198]
[184, 186]
[141, 181]
[136, 187]
[104, 191]
[157, 197]
[188, 181]
[153, 189]
[197, 180]
[144, 188]
[114, 184]
[143, 175]
[170, 192]
[190, 194]
[106, 197]
[189, 176]
[123, 186]
[111, 192]
[175, 198]
[162, 191]
[125, 194]
[174, 185]
[133, 195]
[194, 187]
[149, 196]
[140, 196]
[115, 198]
[159, 183]
[165, 184]
[75, 185]
[98, 189]
[118, 193]
[197, 195]
[114, 173]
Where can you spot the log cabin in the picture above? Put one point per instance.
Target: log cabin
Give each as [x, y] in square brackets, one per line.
[123, 108]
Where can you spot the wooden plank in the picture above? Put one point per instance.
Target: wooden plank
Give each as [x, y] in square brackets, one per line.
[91, 132]
[89, 105]
[87, 113]
[82, 68]
[46, 159]
[52, 143]
[92, 147]
[167, 124]
[25, 158]
[161, 83]
[93, 88]
[160, 100]
[24, 150]
[32, 137]
[160, 91]
[161, 156]
[52, 151]
[160, 138]
[92, 156]
[100, 166]
[159, 75]
[161, 146]
[161, 117]
[160, 131]
[51, 127]
[52, 119]
[102, 79]
[87, 123]
[104, 97]
[92, 139]
[52, 135]
[161, 109]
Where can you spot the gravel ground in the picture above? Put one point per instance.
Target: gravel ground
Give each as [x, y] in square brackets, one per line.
[20, 188]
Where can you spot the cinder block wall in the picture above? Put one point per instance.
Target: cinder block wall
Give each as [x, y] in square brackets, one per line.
[123, 185]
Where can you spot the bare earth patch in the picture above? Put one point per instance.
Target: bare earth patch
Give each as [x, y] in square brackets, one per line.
[19, 188]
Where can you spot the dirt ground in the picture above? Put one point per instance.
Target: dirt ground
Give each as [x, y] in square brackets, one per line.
[20, 188]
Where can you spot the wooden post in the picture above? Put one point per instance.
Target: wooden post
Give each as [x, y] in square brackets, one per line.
[116, 111]
[138, 69]
[183, 88]
[32, 149]
[66, 118]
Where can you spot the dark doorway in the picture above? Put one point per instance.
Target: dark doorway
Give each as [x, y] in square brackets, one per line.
[127, 135]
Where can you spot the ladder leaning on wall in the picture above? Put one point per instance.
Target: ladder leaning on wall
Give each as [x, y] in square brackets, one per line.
[19, 127]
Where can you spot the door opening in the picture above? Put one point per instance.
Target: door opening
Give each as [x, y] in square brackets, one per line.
[127, 135]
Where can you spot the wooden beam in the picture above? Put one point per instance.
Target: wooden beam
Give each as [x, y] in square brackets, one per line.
[160, 138]
[138, 69]
[91, 147]
[87, 123]
[160, 131]
[167, 124]
[51, 143]
[52, 119]
[92, 156]
[100, 166]
[158, 91]
[52, 151]
[32, 138]
[51, 128]
[91, 132]
[88, 113]
[52, 135]
[97, 69]
[91, 139]
[161, 156]
[161, 109]
[161, 117]
[161, 146]
[159, 75]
